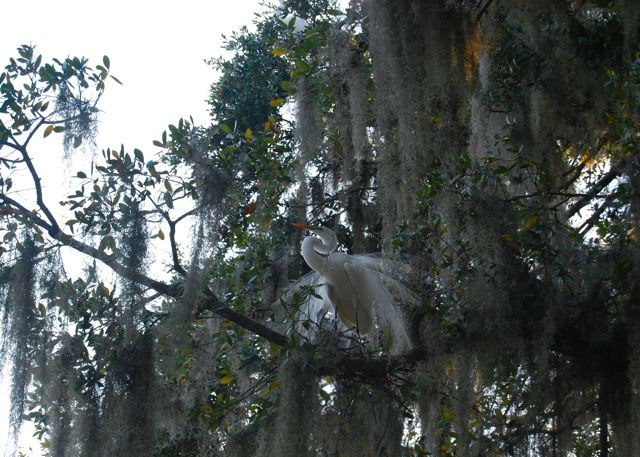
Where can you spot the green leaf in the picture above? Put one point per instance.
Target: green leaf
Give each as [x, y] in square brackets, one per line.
[81, 174]
[531, 222]
[279, 52]
[230, 150]
[138, 155]
[47, 131]
[168, 199]
[77, 141]
[227, 379]
[287, 86]
[161, 234]
[105, 242]
[302, 66]
[325, 395]
[224, 127]
[106, 61]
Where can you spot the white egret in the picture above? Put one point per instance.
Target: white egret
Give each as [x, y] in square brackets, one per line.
[365, 290]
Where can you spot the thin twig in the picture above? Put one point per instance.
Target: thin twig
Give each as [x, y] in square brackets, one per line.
[483, 10]
[595, 190]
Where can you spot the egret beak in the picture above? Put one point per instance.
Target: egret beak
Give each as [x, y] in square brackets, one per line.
[303, 226]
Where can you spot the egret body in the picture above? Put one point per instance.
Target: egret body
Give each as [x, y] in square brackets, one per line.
[358, 287]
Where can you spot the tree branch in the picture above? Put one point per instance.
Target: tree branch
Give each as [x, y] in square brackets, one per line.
[595, 190]
[209, 301]
[36, 181]
[595, 217]
[483, 10]
[23, 148]
[213, 304]
[374, 370]
[163, 213]
[174, 248]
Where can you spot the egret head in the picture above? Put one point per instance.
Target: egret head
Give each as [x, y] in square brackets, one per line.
[327, 236]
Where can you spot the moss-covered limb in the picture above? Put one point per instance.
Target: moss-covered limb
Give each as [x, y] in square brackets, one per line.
[216, 306]
[383, 371]
[210, 302]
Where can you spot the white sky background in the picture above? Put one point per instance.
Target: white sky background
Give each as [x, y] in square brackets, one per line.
[157, 49]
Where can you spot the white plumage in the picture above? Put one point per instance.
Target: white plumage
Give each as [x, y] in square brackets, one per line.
[365, 291]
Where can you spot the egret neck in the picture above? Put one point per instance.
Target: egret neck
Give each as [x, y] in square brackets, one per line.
[311, 247]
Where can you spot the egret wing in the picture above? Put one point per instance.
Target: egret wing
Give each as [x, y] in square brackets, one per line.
[398, 276]
[383, 309]
[307, 302]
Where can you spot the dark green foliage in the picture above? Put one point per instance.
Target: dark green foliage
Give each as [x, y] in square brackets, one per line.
[249, 80]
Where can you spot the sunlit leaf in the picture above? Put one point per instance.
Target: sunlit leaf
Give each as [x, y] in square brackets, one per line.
[278, 52]
[277, 102]
[227, 379]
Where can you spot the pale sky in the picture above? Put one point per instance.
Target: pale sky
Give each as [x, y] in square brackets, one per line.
[157, 49]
